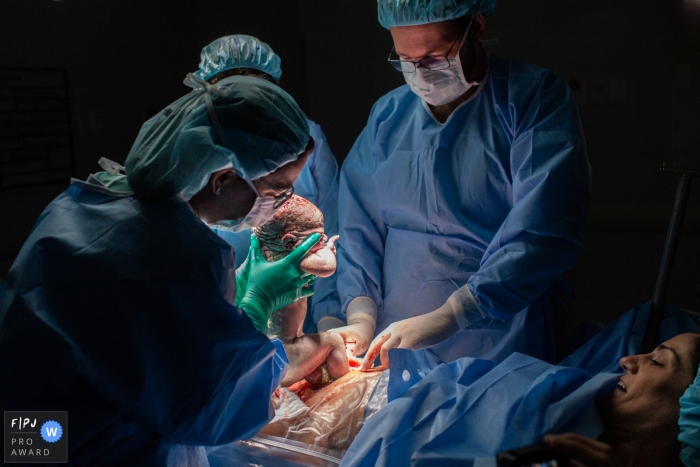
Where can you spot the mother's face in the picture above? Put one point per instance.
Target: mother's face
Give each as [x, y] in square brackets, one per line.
[646, 396]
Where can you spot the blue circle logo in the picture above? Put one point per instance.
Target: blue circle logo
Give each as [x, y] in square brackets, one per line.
[51, 431]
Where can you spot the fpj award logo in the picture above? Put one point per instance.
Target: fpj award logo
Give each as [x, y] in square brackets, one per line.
[36, 437]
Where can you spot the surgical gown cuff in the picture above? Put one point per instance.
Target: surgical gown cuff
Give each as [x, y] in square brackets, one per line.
[329, 322]
[281, 362]
[465, 307]
[362, 305]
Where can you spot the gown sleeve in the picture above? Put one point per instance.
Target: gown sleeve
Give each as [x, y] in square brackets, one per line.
[144, 305]
[541, 236]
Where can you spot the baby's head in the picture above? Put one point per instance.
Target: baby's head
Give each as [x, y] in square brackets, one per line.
[295, 220]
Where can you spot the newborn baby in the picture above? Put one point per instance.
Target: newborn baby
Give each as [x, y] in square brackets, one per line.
[292, 223]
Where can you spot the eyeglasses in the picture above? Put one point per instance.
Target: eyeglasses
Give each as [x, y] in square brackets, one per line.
[440, 62]
[282, 196]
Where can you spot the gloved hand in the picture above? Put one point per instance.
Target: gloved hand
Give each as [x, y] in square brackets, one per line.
[242, 274]
[272, 285]
[460, 310]
[362, 321]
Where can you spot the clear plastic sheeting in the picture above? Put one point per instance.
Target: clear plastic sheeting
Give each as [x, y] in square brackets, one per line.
[270, 451]
[333, 415]
[316, 433]
[379, 397]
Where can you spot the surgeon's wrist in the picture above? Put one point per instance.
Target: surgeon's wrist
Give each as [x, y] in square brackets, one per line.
[256, 313]
[363, 305]
[363, 324]
[329, 322]
[466, 309]
[259, 322]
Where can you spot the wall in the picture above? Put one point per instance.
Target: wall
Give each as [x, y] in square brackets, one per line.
[127, 58]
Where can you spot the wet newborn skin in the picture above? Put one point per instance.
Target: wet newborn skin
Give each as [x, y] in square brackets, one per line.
[292, 223]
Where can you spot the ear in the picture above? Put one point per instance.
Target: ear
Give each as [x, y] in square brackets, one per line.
[310, 145]
[289, 241]
[220, 179]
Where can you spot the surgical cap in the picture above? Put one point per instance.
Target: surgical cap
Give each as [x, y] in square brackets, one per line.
[690, 424]
[261, 128]
[412, 12]
[239, 51]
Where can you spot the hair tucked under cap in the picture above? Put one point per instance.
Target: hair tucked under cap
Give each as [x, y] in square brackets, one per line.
[238, 51]
[175, 153]
[412, 12]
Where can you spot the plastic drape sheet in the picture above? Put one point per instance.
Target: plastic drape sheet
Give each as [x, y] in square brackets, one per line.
[330, 419]
[270, 451]
[316, 433]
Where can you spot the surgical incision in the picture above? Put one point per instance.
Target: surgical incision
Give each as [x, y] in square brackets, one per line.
[318, 358]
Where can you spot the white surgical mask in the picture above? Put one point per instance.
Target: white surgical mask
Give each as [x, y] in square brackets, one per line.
[439, 87]
[263, 209]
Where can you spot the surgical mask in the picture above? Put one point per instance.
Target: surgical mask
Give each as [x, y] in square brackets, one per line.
[263, 209]
[439, 87]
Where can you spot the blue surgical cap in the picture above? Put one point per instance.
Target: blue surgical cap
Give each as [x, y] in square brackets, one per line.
[239, 51]
[260, 128]
[690, 424]
[412, 12]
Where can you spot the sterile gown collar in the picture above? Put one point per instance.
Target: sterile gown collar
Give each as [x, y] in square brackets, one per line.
[94, 184]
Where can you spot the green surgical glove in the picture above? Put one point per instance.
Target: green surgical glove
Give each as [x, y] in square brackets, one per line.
[272, 285]
[242, 274]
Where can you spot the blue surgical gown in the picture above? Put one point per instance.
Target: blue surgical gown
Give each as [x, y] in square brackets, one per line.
[317, 182]
[471, 409]
[119, 311]
[495, 198]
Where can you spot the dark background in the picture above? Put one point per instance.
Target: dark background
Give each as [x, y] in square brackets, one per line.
[636, 65]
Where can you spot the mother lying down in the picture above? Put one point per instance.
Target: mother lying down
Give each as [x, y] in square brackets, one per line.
[466, 411]
[640, 416]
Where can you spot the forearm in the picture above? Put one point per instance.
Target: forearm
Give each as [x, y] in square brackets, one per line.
[515, 277]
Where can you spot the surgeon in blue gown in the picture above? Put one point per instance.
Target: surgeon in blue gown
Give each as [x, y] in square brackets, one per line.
[120, 306]
[464, 198]
[241, 54]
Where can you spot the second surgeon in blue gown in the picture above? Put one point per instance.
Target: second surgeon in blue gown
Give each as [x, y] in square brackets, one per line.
[120, 306]
[241, 54]
[464, 198]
